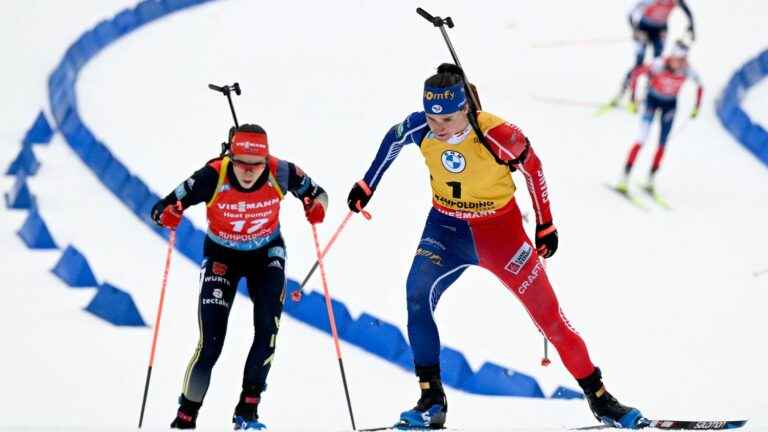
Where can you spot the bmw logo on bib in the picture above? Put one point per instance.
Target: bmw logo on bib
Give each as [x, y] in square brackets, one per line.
[454, 161]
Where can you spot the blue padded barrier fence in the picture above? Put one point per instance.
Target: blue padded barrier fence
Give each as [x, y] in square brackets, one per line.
[735, 120]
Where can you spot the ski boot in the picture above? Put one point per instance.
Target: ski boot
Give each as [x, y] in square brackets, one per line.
[246, 412]
[606, 408]
[431, 409]
[186, 416]
[650, 187]
[622, 186]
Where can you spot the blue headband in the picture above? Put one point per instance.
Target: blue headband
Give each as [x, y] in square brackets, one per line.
[444, 100]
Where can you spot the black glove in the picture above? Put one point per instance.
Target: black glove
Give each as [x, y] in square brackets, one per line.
[546, 240]
[157, 211]
[359, 196]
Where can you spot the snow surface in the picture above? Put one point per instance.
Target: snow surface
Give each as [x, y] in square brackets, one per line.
[667, 301]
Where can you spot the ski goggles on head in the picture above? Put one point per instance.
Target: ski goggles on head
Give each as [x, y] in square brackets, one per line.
[247, 165]
[444, 100]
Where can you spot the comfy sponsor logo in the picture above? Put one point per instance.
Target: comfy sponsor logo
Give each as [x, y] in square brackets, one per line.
[530, 279]
[446, 95]
[519, 259]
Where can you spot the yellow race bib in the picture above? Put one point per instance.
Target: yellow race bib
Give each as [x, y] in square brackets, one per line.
[465, 176]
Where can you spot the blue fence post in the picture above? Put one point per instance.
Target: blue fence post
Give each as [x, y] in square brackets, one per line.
[566, 393]
[115, 306]
[39, 133]
[377, 337]
[73, 269]
[35, 233]
[493, 379]
[19, 197]
[25, 162]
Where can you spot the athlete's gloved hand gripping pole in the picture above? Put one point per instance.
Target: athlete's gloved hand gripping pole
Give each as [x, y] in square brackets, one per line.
[168, 217]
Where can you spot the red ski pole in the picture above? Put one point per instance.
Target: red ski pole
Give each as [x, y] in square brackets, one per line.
[332, 321]
[171, 243]
[545, 361]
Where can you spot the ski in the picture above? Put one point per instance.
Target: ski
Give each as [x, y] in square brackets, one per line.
[398, 427]
[628, 196]
[604, 109]
[658, 199]
[696, 424]
[578, 103]
[676, 425]
[642, 424]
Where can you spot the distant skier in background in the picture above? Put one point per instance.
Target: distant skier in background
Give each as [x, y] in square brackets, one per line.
[648, 21]
[665, 78]
[475, 220]
[242, 191]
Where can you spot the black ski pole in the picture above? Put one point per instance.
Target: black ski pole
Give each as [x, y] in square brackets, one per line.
[441, 23]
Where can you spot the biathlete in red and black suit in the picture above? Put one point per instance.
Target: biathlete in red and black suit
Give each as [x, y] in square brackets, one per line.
[649, 22]
[242, 192]
[666, 77]
[475, 220]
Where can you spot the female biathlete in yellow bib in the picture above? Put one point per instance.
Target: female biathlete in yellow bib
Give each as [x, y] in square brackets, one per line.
[475, 221]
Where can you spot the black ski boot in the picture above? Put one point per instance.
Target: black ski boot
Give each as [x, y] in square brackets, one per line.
[605, 407]
[431, 409]
[186, 416]
[246, 412]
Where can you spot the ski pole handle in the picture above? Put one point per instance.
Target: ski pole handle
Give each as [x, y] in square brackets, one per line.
[425, 14]
[436, 21]
[216, 88]
[226, 89]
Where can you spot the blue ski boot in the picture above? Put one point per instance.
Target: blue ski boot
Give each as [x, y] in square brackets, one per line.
[186, 416]
[606, 408]
[431, 409]
[246, 413]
